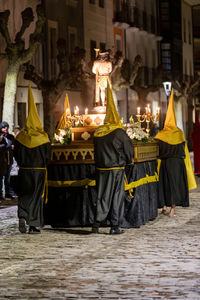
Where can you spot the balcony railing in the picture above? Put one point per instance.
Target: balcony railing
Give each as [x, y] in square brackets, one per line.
[136, 18]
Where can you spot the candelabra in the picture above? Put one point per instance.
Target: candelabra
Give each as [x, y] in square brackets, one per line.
[74, 120]
[148, 117]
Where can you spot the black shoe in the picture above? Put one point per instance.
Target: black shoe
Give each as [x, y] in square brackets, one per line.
[22, 225]
[116, 230]
[33, 230]
[95, 229]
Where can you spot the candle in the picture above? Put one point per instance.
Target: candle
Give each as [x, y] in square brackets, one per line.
[86, 111]
[67, 111]
[76, 110]
[158, 110]
[148, 109]
[138, 110]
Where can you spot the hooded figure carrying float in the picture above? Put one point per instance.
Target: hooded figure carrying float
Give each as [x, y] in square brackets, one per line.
[32, 151]
[113, 150]
[176, 176]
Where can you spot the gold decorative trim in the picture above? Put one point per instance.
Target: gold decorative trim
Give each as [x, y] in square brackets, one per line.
[83, 152]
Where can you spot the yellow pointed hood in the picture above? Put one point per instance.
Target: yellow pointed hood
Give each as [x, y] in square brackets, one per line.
[173, 135]
[33, 134]
[63, 120]
[112, 119]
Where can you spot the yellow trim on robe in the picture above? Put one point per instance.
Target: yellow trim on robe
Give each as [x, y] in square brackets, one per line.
[91, 182]
[141, 181]
[108, 169]
[71, 183]
[189, 170]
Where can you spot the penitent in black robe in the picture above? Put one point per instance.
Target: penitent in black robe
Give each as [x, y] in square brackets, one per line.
[31, 181]
[173, 185]
[111, 152]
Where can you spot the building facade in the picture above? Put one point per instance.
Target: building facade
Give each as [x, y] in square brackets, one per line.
[136, 32]
[98, 32]
[160, 31]
[196, 45]
[177, 51]
[14, 24]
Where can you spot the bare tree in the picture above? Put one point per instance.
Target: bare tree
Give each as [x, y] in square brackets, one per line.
[124, 73]
[16, 54]
[70, 76]
[187, 90]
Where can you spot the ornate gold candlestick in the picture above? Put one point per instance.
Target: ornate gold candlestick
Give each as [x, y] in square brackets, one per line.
[148, 117]
[74, 120]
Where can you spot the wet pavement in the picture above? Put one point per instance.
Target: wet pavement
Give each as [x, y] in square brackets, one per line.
[160, 260]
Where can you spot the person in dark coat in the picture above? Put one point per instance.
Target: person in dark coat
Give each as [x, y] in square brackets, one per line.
[32, 151]
[195, 135]
[176, 176]
[6, 160]
[113, 150]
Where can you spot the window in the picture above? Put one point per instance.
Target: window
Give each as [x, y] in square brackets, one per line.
[93, 45]
[153, 58]
[165, 46]
[189, 32]
[184, 31]
[164, 15]
[53, 52]
[72, 3]
[117, 6]
[186, 67]
[21, 114]
[166, 56]
[118, 45]
[101, 3]
[102, 47]
[52, 49]
[72, 37]
[191, 74]
[118, 40]
[72, 40]
[36, 59]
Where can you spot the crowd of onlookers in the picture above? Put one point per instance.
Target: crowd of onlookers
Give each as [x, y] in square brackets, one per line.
[8, 165]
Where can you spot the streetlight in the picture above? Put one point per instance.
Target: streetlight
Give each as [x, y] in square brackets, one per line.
[168, 88]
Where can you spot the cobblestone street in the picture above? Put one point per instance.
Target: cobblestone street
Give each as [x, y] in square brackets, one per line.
[160, 260]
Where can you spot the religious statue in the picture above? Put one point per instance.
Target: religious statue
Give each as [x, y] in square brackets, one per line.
[102, 67]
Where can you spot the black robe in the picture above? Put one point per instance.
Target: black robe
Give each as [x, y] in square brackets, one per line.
[113, 150]
[173, 185]
[31, 182]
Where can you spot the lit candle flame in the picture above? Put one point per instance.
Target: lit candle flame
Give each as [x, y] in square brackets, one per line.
[148, 109]
[76, 110]
[157, 110]
[86, 111]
